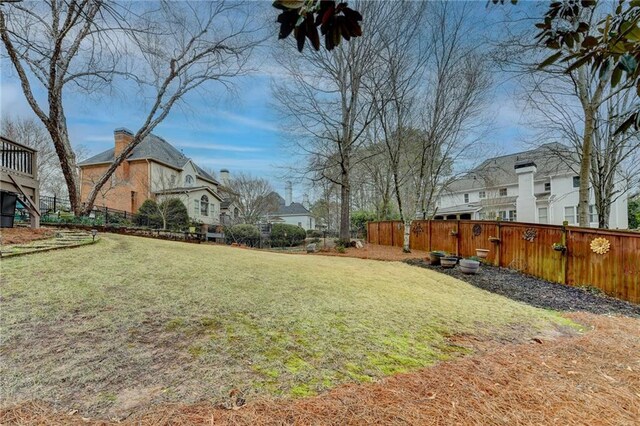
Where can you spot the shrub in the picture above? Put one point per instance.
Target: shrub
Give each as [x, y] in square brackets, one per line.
[175, 212]
[359, 220]
[312, 233]
[283, 235]
[242, 234]
[149, 215]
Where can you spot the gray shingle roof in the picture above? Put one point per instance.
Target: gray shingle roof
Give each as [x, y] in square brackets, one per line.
[550, 159]
[293, 208]
[154, 148]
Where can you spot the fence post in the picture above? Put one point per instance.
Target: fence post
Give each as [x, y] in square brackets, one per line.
[458, 237]
[428, 235]
[565, 253]
[498, 244]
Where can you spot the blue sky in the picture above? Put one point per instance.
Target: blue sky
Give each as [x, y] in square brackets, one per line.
[238, 130]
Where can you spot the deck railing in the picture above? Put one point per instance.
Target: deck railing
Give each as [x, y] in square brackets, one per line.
[16, 157]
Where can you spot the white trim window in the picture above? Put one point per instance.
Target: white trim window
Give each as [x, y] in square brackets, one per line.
[570, 214]
[466, 198]
[593, 214]
[188, 180]
[503, 192]
[196, 207]
[543, 215]
[204, 205]
[482, 194]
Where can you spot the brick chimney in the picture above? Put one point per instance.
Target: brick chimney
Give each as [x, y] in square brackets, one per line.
[224, 177]
[123, 138]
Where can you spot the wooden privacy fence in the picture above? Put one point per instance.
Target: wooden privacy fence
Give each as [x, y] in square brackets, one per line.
[529, 248]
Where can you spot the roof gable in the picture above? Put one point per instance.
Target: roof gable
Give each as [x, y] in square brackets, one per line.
[152, 148]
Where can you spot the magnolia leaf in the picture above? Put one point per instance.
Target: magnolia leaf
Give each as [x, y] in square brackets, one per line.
[550, 60]
[628, 63]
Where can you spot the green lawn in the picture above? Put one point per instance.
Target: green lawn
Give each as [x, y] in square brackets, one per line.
[131, 321]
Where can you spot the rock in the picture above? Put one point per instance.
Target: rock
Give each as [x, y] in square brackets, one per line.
[311, 248]
[359, 245]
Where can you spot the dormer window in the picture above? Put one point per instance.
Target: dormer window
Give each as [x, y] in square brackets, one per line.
[503, 192]
[547, 187]
[188, 180]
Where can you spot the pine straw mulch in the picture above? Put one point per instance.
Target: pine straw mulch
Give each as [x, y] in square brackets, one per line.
[377, 252]
[19, 235]
[590, 379]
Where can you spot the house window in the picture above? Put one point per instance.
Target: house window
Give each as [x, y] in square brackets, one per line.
[236, 213]
[204, 205]
[188, 180]
[466, 198]
[547, 187]
[543, 215]
[196, 207]
[593, 214]
[512, 215]
[570, 214]
[173, 180]
[503, 192]
[576, 181]
[300, 224]
[482, 194]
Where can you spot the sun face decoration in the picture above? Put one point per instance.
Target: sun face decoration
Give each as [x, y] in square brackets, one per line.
[600, 245]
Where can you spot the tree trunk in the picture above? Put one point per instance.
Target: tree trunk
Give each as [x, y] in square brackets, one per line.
[345, 199]
[407, 235]
[583, 193]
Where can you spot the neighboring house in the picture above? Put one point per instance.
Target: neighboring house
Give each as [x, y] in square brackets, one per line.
[536, 186]
[291, 212]
[18, 181]
[153, 170]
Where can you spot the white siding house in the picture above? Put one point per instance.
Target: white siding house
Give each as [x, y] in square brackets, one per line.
[537, 186]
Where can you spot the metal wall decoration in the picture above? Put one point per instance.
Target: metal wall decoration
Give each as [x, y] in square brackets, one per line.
[417, 229]
[477, 229]
[600, 245]
[530, 234]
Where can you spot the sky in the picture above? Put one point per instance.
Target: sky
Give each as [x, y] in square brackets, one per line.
[235, 130]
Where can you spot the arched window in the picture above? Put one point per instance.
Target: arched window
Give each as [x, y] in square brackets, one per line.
[204, 205]
[188, 180]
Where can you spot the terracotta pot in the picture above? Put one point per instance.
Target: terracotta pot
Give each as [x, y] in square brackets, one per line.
[482, 253]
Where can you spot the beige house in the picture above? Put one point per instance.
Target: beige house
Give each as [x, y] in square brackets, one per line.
[153, 170]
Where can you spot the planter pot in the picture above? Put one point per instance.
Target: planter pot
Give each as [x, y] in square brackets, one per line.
[469, 266]
[434, 257]
[448, 262]
[482, 253]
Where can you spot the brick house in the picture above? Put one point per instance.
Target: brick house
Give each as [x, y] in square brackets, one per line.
[153, 170]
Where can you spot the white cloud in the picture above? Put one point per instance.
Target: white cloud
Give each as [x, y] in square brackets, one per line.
[250, 122]
[216, 146]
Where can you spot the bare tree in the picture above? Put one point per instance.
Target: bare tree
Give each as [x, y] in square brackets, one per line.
[254, 197]
[580, 93]
[429, 89]
[167, 49]
[614, 156]
[324, 107]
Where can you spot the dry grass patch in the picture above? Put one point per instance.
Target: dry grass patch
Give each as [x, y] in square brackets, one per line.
[176, 322]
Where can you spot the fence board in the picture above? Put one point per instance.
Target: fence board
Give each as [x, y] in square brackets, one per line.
[441, 238]
[616, 273]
